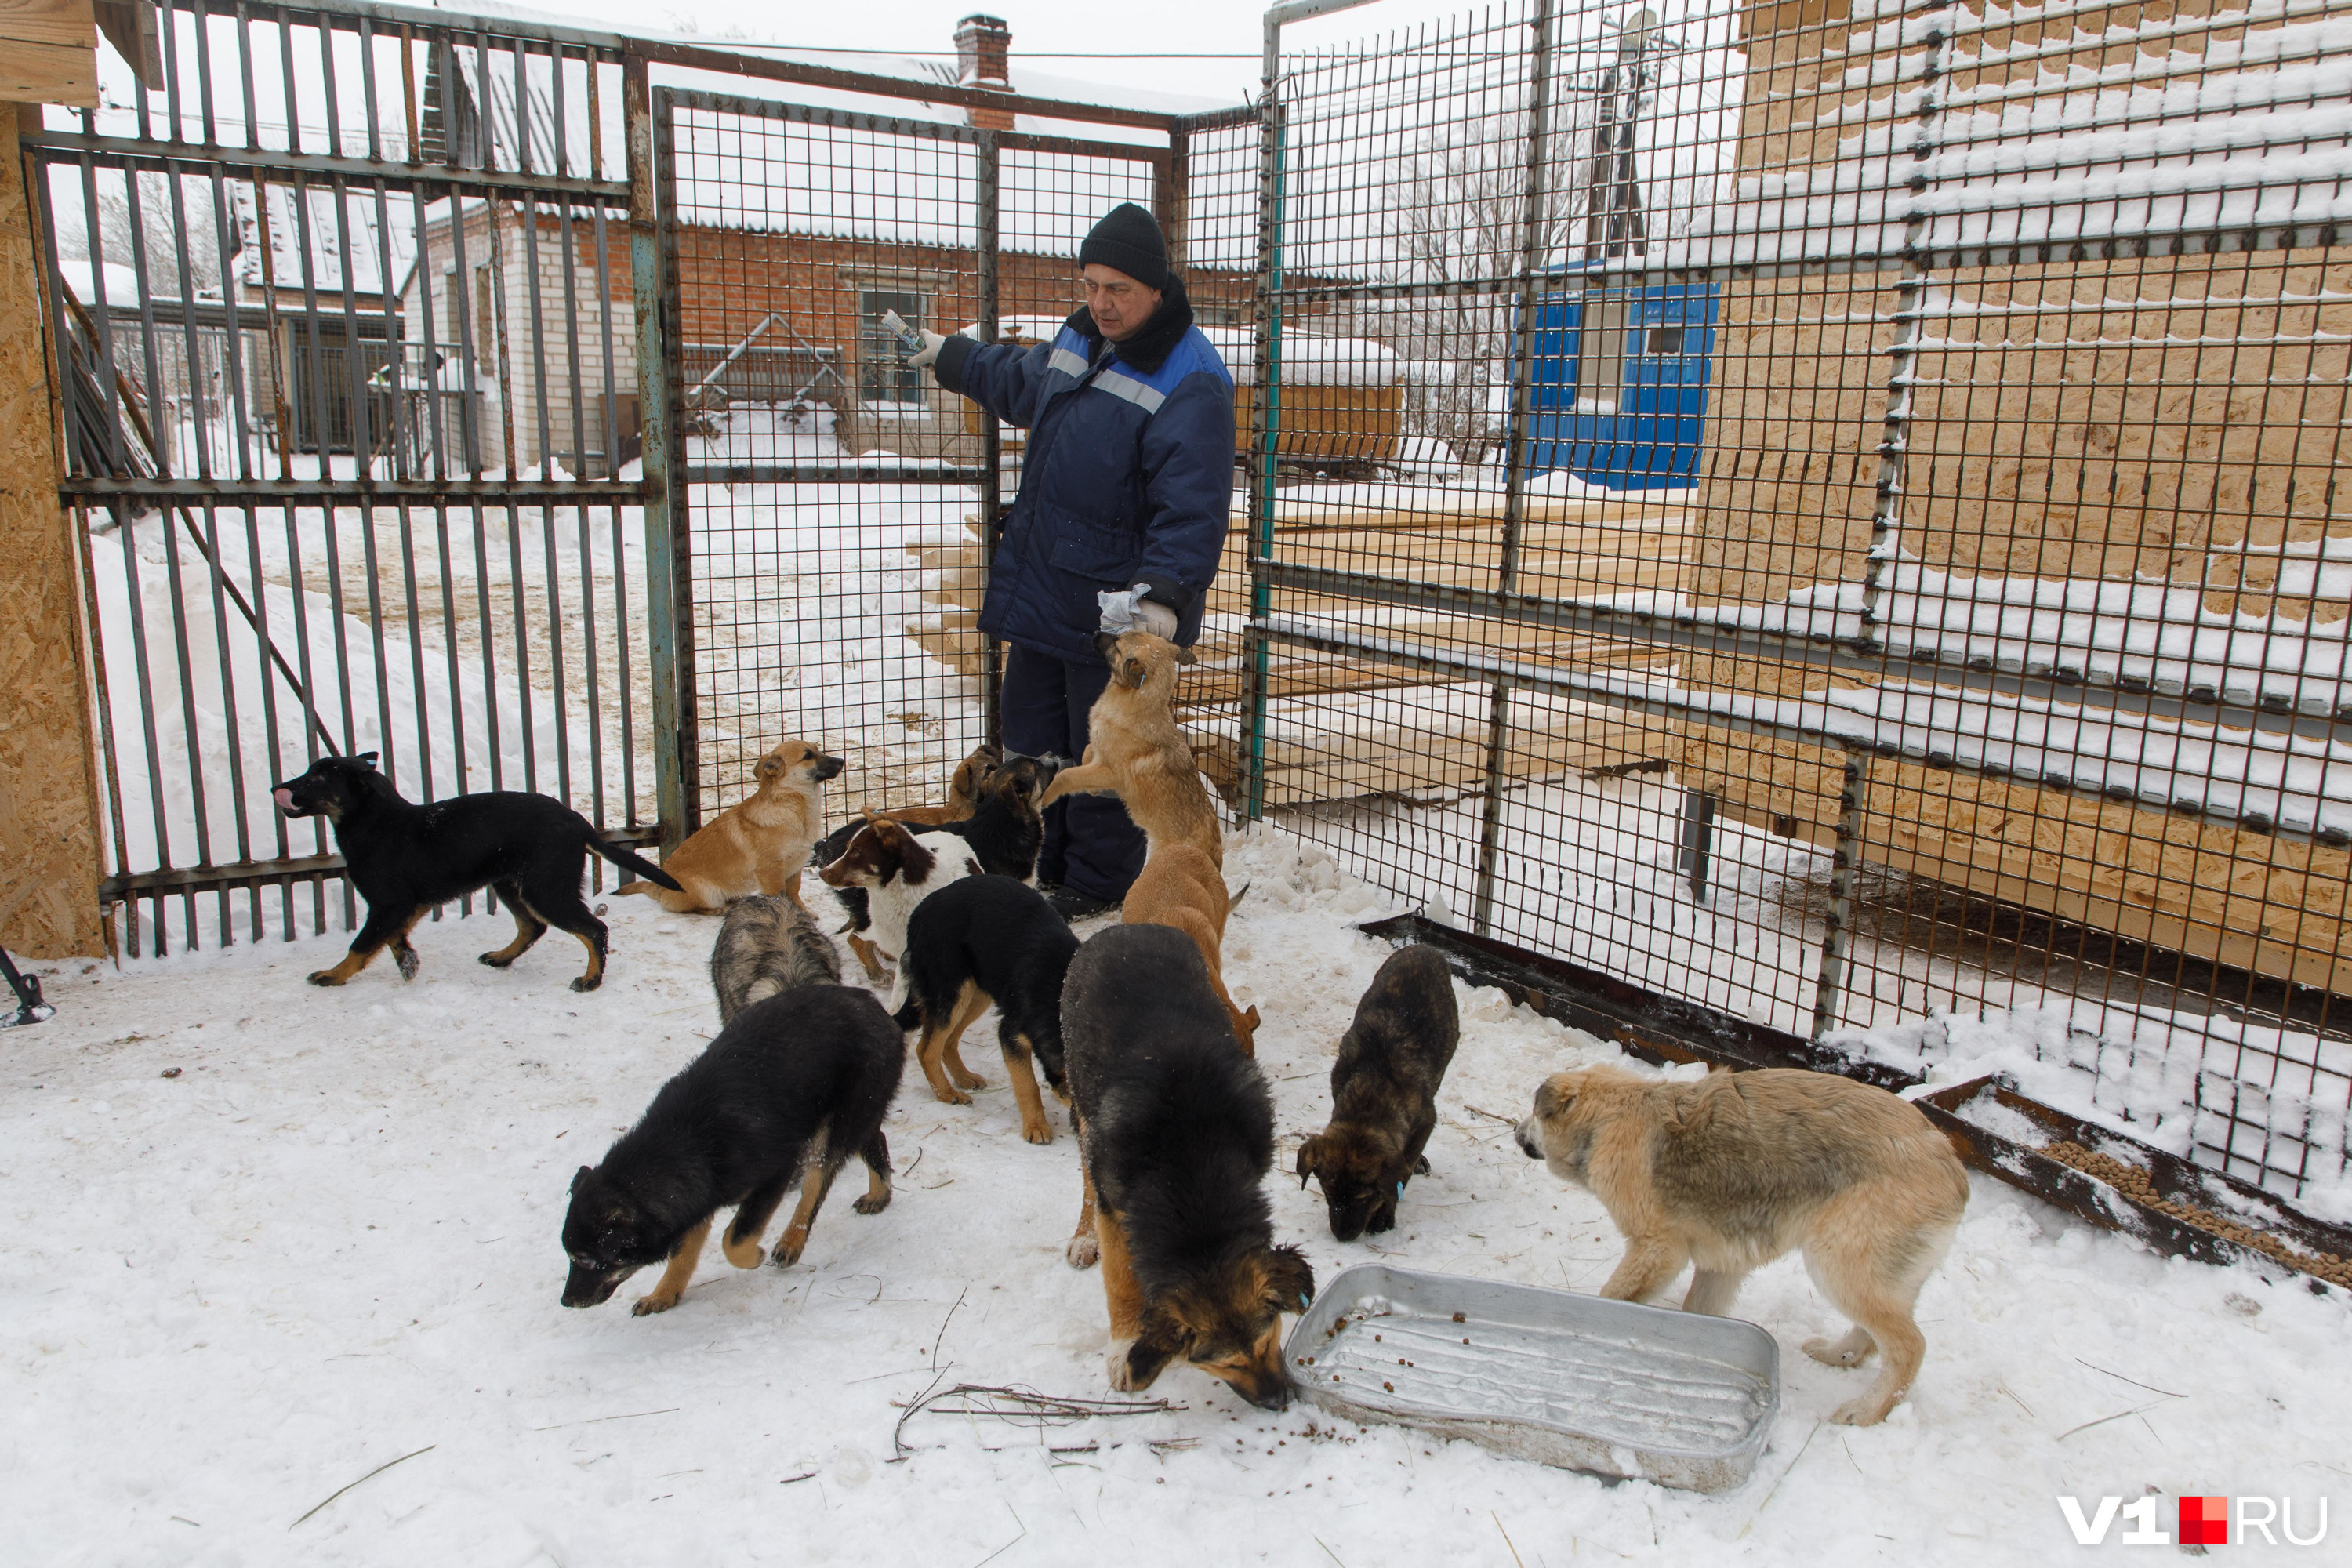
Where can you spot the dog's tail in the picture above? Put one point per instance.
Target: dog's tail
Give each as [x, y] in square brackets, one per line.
[910, 1017]
[1233, 902]
[629, 860]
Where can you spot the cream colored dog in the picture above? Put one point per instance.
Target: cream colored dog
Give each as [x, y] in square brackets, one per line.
[1731, 1172]
[756, 846]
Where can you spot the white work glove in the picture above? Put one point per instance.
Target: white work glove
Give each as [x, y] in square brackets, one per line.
[1130, 611]
[928, 354]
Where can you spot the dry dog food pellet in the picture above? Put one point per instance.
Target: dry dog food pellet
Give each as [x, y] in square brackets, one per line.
[1460, 1319]
[1390, 1386]
[2134, 1183]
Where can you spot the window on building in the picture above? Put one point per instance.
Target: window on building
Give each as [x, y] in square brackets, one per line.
[882, 375]
[1661, 340]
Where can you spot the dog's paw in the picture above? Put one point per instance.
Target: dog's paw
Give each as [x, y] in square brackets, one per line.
[745, 1254]
[964, 1077]
[1115, 1365]
[409, 963]
[789, 1247]
[873, 1203]
[1039, 1131]
[951, 1095]
[324, 978]
[587, 983]
[648, 1305]
[1850, 1351]
[1083, 1251]
[1863, 1412]
[495, 960]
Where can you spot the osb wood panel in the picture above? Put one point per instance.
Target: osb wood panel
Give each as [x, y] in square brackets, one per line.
[66, 23]
[48, 808]
[49, 73]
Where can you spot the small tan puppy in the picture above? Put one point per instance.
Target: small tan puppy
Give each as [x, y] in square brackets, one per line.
[1180, 887]
[1136, 751]
[1731, 1172]
[756, 846]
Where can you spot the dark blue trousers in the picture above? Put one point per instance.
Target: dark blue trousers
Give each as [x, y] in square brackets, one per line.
[1092, 845]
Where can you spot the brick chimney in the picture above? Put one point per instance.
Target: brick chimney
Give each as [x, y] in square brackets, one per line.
[982, 44]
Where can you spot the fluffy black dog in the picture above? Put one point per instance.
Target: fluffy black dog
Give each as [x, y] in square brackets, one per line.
[1177, 1131]
[1384, 1092]
[406, 858]
[983, 939]
[788, 1092]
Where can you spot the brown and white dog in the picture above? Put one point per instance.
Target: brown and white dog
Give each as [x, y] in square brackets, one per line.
[898, 868]
[756, 846]
[1136, 751]
[1731, 1172]
[1180, 887]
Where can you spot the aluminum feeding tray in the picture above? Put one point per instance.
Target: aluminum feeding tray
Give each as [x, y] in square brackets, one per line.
[1574, 1381]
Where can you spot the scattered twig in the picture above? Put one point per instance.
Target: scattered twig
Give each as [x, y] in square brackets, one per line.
[633, 1416]
[2103, 1420]
[794, 1481]
[898, 1449]
[1506, 1536]
[177, 1520]
[1776, 1484]
[1009, 1545]
[1078, 1448]
[1327, 1551]
[1506, 1120]
[2020, 1404]
[369, 1477]
[1023, 1406]
[2135, 1383]
[944, 1323]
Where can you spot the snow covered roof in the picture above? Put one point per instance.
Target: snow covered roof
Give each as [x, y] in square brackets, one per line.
[308, 242]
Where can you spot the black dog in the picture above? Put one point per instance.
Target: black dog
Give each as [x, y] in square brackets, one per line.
[1177, 1131]
[1384, 1092]
[788, 1092]
[1005, 829]
[978, 941]
[406, 858]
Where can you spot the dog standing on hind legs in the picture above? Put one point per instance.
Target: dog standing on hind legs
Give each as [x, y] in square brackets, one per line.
[1730, 1173]
[405, 859]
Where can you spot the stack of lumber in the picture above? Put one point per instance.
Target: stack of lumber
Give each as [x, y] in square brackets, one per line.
[1340, 726]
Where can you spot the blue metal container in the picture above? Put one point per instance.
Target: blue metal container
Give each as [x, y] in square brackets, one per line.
[1619, 392]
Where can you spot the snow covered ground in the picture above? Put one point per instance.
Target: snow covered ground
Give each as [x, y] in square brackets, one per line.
[329, 1242]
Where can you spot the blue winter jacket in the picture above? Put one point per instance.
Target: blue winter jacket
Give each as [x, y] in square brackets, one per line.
[1129, 478]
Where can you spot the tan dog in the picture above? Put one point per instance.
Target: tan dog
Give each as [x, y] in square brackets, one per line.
[1731, 1172]
[963, 790]
[1180, 887]
[1136, 751]
[756, 846]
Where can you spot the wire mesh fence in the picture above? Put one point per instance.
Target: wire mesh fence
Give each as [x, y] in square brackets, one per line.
[1855, 548]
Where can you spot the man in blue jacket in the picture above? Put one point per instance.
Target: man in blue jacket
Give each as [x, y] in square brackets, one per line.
[1120, 517]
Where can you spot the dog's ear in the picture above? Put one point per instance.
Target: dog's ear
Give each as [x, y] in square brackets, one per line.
[1554, 1095]
[1249, 1016]
[364, 759]
[582, 1177]
[1310, 1159]
[1289, 1280]
[1132, 673]
[1186, 655]
[1106, 645]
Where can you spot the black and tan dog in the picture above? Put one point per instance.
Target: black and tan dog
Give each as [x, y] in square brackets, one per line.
[983, 941]
[1176, 1127]
[788, 1094]
[1384, 1092]
[406, 858]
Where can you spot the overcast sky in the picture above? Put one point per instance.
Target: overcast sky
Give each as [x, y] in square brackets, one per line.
[1074, 27]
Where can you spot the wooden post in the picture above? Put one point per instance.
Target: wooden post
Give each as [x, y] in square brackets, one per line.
[48, 798]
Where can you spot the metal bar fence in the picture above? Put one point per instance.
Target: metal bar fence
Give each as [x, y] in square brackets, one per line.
[329, 439]
[1857, 557]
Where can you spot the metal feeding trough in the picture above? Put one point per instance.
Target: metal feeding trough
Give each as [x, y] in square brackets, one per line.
[1678, 1398]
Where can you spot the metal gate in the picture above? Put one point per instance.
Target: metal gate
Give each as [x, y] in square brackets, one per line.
[343, 330]
[1981, 708]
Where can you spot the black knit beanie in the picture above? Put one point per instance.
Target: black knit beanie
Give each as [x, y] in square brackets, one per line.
[1128, 238]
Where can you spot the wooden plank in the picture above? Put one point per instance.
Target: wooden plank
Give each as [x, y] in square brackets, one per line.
[61, 24]
[51, 73]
